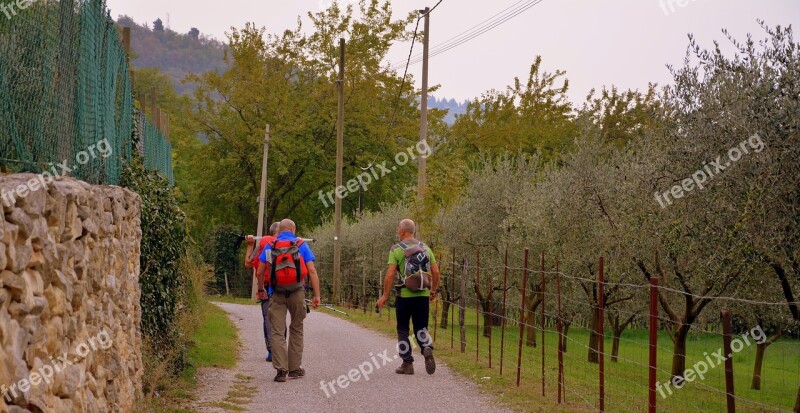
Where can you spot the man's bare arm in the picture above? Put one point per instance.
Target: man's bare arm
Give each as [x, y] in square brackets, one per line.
[435, 273]
[248, 263]
[387, 285]
[388, 281]
[312, 273]
[262, 269]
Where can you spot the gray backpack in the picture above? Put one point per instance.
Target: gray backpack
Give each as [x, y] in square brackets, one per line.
[417, 274]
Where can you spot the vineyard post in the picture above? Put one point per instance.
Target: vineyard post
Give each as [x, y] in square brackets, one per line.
[600, 343]
[503, 327]
[725, 314]
[653, 341]
[522, 314]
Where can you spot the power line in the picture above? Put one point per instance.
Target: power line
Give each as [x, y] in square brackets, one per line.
[400, 91]
[473, 27]
[433, 8]
[479, 29]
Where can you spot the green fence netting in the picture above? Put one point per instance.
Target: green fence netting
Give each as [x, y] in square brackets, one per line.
[66, 95]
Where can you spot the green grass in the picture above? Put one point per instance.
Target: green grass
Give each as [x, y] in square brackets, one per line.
[232, 300]
[214, 344]
[215, 340]
[626, 382]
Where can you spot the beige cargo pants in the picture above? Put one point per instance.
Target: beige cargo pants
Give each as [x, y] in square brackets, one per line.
[295, 305]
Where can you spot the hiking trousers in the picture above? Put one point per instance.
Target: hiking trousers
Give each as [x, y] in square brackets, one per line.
[294, 304]
[415, 310]
[267, 332]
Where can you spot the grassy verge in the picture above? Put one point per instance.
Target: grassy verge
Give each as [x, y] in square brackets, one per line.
[626, 380]
[231, 300]
[210, 341]
[215, 340]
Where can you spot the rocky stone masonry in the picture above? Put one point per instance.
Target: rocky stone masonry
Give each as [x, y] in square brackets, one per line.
[69, 270]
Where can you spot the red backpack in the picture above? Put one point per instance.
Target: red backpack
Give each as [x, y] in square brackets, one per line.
[288, 269]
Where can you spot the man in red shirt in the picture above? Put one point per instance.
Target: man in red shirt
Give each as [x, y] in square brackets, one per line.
[251, 261]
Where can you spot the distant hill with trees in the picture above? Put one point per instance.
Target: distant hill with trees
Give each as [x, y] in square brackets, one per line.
[451, 105]
[174, 54]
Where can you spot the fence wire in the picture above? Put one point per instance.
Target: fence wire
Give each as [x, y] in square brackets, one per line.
[626, 352]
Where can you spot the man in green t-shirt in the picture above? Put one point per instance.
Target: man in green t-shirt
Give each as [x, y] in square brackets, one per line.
[411, 306]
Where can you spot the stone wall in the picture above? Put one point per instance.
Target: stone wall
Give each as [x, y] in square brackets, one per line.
[70, 338]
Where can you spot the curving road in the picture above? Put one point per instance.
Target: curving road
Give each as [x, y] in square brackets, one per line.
[334, 349]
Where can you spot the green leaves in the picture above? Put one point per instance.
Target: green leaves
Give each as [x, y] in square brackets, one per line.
[288, 81]
[163, 244]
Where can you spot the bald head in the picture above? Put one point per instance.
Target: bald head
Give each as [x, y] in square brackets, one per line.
[408, 227]
[287, 225]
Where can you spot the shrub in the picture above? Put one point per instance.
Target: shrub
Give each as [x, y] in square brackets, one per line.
[164, 287]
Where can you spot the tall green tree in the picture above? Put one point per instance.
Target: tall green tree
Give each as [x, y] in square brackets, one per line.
[531, 115]
[289, 82]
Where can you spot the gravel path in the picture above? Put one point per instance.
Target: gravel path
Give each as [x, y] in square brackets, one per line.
[334, 347]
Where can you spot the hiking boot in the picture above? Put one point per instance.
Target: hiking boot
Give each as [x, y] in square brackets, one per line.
[269, 356]
[406, 368]
[281, 376]
[430, 363]
[296, 374]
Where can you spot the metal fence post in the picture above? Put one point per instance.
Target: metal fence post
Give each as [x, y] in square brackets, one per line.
[542, 321]
[600, 325]
[653, 342]
[726, 340]
[503, 321]
[522, 314]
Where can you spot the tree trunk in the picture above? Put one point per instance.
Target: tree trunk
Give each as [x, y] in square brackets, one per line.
[530, 328]
[445, 313]
[462, 308]
[760, 348]
[487, 321]
[797, 401]
[619, 328]
[566, 332]
[594, 337]
[679, 351]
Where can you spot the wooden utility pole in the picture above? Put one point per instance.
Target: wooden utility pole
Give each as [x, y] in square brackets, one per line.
[262, 197]
[423, 124]
[156, 115]
[126, 44]
[337, 214]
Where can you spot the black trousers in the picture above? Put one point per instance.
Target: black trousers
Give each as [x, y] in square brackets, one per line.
[416, 310]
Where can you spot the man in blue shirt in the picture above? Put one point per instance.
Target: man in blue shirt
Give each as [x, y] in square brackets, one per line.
[290, 300]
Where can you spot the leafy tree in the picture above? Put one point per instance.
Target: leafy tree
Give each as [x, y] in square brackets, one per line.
[288, 82]
[533, 116]
[158, 26]
[622, 116]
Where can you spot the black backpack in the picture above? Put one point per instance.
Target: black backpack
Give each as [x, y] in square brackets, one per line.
[417, 274]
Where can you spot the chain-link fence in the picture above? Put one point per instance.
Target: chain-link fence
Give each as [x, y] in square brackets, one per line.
[66, 95]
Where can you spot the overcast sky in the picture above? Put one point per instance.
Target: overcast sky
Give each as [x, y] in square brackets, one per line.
[626, 43]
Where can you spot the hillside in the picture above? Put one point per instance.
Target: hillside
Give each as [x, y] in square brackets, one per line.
[175, 54]
[453, 107]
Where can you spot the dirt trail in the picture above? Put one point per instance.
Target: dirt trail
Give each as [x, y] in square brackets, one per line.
[334, 348]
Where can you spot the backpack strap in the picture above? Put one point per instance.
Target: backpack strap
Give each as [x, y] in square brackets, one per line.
[296, 257]
[273, 278]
